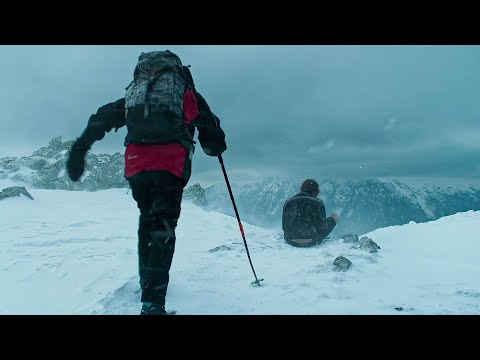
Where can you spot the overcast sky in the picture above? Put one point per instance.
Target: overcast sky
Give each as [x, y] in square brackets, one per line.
[334, 111]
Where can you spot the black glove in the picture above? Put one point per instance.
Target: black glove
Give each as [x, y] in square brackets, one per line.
[76, 159]
[95, 130]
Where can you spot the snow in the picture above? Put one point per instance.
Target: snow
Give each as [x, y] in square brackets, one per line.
[76, 253]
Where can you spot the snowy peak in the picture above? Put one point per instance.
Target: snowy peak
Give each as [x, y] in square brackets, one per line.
[45, 169]
[55, 148]
[196, 194]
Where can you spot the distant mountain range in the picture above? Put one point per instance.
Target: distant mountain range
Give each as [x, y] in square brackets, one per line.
[363, 204]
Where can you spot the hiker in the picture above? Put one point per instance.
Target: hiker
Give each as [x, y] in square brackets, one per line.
[161, 110]
[304, 221]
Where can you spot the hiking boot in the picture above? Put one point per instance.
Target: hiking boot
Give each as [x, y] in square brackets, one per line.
[153, 309]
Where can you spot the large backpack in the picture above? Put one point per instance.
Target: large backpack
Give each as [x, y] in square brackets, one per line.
[154, 101]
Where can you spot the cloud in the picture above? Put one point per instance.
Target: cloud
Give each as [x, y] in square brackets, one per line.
[284, 109]
[316, 149]
[390, 124]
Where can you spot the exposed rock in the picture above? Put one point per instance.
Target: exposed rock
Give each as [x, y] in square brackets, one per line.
[55, 146]
[13, 191]
[35, 162]
[341, 263]
[367, 244]
[196, 194]
[45, 169]
[220, 248]
[349, 238]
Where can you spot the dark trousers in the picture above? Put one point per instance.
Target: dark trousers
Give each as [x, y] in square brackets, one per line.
[316, 239]
[158, 195]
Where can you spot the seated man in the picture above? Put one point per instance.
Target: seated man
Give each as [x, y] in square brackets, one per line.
[304, 221]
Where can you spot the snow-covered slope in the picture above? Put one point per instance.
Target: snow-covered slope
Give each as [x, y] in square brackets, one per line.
[75, 253]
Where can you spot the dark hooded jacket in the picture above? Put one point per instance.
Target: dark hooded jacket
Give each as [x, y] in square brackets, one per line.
[173, 157]
[304, 217]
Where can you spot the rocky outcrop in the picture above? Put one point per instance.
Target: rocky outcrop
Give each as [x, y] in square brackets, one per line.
[45, 169]
[367, 244]
[341, 263]
[14, 191]
[196, 194]
[349, 238]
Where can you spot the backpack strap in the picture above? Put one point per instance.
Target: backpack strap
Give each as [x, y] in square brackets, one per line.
[188, 76]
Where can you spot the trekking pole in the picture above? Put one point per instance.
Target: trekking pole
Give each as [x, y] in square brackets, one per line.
[257, 281]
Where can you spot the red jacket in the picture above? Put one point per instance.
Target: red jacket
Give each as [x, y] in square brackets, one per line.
[171, 157]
